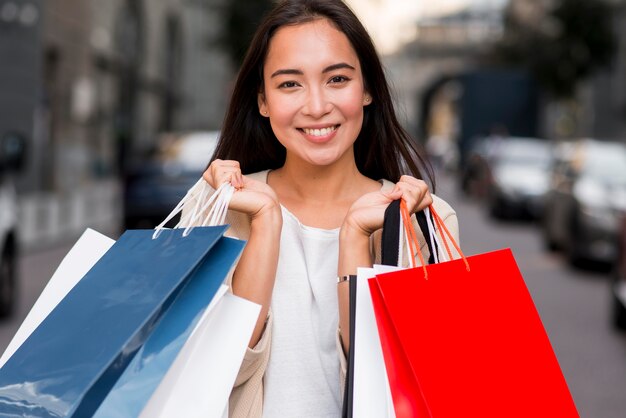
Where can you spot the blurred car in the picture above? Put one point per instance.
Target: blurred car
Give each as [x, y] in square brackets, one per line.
[158, 183]
[618, 288]
[586, 200]
[518, 177]
[474, 174]
[509, 173]
[11, 159]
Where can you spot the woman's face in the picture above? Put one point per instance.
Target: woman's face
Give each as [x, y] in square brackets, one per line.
[314, 92]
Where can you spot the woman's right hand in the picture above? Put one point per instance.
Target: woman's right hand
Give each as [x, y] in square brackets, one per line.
[252, 197]
[254, 275]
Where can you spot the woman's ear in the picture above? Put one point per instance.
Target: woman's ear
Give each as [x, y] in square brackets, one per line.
[262, 104]
[367, 99]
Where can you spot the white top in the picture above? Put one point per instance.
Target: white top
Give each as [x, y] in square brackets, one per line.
[302, 377]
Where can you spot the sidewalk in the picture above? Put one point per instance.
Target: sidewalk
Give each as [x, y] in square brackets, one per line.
[48, 219]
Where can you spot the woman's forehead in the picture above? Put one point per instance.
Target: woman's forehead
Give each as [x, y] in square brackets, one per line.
[309, 45]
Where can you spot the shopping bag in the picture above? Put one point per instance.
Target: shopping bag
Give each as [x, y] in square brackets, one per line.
[199, 382]
[78, 261]
[347, 407]
[189, 363]
[369, 385]
[371, 395]
[468, 332]
[145, 371]
[69, 363]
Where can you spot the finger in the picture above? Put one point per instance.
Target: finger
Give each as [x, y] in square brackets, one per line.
[393, 194]
[417, 196]
[412, 180]
[219, 173]
[228, 175]
[238, 181]
[424, 198]
[227, 163]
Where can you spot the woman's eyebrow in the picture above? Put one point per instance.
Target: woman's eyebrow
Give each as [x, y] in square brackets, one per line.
[287, 71]
[339, 66]
[291, 71]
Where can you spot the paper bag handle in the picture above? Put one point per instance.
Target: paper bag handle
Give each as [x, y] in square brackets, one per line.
[397, 223]
[394, 231]
[218, 204]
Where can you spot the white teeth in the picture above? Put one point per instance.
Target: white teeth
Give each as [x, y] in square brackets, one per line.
[319, 132]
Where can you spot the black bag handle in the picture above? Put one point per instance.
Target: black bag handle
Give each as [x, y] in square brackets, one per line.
[391, 234]
[347, 407]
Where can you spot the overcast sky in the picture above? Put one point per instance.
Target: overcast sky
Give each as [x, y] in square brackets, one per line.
[392, 22]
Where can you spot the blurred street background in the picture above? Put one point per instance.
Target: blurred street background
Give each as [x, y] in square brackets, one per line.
[109, 111]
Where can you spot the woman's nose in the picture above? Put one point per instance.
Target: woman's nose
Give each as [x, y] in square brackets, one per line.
[317, 103]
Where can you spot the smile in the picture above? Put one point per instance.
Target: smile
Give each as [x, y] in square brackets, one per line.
[320, 132]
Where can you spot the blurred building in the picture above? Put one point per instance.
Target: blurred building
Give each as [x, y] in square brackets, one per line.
[20, 62]
[455, 43]
[604, 97]
[445, 46]
[90, 83]
[598, 108]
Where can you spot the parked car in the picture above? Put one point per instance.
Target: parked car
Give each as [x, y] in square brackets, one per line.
[518, 178]
[510, 174]
[11, 159]
[618, 284]
[158, 183]
[586, 198]
[474, 174]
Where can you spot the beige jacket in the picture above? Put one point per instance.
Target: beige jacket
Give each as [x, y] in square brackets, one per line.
[246, 399]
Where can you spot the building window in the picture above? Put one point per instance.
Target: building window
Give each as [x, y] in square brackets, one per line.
[172, 67]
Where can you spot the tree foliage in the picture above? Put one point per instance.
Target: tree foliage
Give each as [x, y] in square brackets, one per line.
[241, 18]
[572, 40]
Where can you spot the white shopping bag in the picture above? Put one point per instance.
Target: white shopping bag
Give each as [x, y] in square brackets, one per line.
[372, 396]
[371, 392]
[89, 248]
[199, 382]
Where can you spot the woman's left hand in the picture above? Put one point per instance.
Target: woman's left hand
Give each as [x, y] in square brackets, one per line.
[365, 216]
[367, 213]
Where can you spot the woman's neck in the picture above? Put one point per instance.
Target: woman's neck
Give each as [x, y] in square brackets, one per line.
[308, 183]
[320, 196]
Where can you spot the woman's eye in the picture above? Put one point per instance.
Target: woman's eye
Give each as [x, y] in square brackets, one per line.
[288, 85]
[339, 79]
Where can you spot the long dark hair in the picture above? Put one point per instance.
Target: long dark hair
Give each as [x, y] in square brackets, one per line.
[383, 148]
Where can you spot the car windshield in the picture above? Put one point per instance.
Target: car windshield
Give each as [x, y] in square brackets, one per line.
[524, 152]
[191, 152]
[607, 163]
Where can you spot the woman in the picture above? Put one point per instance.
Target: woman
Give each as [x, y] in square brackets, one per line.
[313, 146]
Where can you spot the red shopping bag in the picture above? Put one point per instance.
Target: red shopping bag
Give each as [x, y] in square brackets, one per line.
[469, 333]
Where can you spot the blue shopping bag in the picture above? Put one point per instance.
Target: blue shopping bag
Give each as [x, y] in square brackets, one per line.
[146, 370]
[71, 361]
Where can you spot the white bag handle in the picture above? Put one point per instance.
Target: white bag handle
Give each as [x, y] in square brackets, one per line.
[432, 236]
[219, 207]
[196, 207]
[218, 204]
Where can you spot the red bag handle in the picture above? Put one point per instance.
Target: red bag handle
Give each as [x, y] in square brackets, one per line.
[444, 233]
[414, 248]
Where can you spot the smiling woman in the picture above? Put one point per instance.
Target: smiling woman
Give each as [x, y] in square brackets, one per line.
[313, 146]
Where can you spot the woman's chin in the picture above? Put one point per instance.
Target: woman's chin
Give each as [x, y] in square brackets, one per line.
[322, 160]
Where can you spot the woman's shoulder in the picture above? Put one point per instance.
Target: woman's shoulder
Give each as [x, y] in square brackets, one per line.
[443, 208]
[259, 175]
